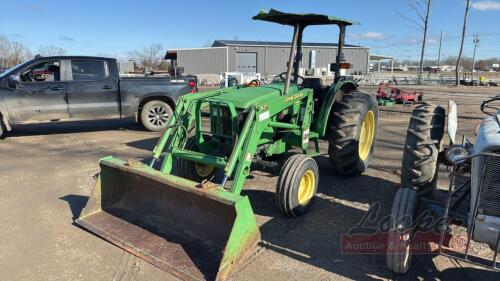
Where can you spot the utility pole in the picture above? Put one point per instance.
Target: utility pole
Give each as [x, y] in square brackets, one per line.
[439, 54]
[476, 43]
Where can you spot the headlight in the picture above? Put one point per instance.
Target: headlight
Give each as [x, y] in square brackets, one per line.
[456, 153]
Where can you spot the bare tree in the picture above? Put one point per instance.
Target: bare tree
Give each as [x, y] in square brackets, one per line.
[422, 9]
[5, 49]
[51, 51]
[12, 52]
[19, 53]
[468, 5]
[207, 43]
[149, 57]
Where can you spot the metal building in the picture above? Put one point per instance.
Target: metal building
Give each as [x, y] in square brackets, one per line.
[264, 57]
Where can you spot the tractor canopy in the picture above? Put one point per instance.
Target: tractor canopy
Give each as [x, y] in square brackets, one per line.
[304, 19]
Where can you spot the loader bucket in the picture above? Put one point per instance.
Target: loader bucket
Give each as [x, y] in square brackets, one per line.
[192, 232]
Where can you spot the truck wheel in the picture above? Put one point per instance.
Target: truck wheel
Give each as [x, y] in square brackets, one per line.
[352, 133]
[191, 170]
[419, 168]
[155, 115]
[297, 185]
[2, 128]
[398, 254]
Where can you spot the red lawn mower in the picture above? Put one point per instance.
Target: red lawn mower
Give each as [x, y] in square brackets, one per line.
[397, 95]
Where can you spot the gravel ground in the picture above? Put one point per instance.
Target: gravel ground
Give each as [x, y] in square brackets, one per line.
[48, 170]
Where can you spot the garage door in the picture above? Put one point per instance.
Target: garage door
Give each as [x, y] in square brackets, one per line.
[246, 62]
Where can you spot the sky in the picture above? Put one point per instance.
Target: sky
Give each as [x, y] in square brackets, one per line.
[113, 28]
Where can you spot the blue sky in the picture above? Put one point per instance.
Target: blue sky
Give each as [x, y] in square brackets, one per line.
[116, 27]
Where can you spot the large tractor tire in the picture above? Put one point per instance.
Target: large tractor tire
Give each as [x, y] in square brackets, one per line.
[401, 230]
[191, 170]
[423, 140]
[297, 185]
[155, 115]
[352, 133]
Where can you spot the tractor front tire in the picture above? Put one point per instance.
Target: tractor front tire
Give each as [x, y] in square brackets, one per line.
[191, 170]
[420, 156]
[352, 133]
[401, 230]
[297, 185]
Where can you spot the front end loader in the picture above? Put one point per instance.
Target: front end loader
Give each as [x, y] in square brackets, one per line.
[184, 211]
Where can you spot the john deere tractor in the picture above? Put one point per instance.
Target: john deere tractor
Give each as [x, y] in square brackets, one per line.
[184, 212]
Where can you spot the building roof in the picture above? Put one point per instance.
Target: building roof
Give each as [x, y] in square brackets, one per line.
[380, 57]
[223, 43]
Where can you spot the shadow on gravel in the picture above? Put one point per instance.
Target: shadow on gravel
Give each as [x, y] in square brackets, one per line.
[145, 144]
[76, 203]
[70, 127]
[315, 238]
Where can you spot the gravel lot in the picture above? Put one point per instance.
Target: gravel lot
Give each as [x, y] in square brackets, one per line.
[48, 170]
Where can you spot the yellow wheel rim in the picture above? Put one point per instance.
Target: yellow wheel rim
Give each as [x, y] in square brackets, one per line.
[203, 170]
[366, 135]
[306, 187]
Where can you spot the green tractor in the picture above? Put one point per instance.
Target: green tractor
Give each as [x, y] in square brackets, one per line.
[184, 212]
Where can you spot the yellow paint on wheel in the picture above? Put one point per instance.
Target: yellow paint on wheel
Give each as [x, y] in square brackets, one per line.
[306, 187]
[366, 135]
[203, 170]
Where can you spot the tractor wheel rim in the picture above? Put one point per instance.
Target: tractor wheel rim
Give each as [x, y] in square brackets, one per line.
[203, 170]
[366, 135]
[158, 116]
[306, 187]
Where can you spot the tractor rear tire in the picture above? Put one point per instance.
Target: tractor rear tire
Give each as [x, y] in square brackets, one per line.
[297, 185]
[423, 141]
[352, 133]
[401, 229]
[191, 170]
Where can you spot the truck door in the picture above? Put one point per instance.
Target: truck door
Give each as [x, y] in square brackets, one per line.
[40, 95]
[92, 92]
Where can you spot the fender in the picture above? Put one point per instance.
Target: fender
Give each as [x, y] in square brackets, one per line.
[342, 88]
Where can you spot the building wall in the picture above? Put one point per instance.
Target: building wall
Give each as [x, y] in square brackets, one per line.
[203, 60]
[270, 59]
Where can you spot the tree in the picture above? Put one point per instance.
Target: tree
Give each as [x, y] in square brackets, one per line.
[422, 9]
[19, 53]
[51, 51]
[468, 5]
[12, 52]
[5, 49]
[148, 57]
[207, 43]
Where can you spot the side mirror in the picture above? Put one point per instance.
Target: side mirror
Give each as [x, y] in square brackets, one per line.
[14, 80]
[343, 65]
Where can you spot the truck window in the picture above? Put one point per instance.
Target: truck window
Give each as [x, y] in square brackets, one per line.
[88, 70]
[48, 71]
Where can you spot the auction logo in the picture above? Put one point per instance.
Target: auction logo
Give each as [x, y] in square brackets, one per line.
[377, 235]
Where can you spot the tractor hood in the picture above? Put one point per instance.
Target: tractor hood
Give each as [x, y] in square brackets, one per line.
[244, 98]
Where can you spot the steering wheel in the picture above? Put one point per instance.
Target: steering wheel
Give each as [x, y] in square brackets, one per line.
[282, 78]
